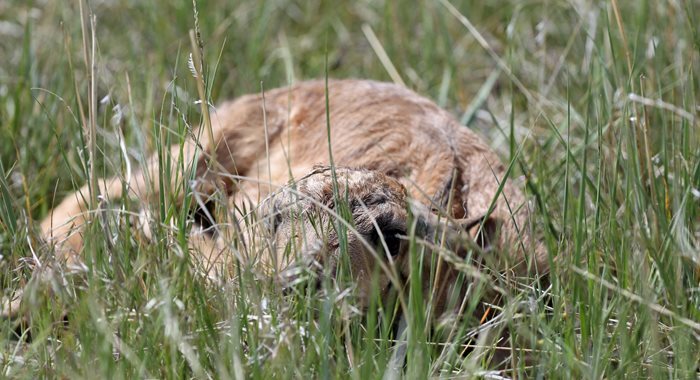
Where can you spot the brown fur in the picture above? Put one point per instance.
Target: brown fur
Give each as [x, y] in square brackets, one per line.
[401, 144]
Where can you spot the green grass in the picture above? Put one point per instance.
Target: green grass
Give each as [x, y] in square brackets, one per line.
[594, 103]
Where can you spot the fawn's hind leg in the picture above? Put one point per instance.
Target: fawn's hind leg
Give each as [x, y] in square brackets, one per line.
[238, 132]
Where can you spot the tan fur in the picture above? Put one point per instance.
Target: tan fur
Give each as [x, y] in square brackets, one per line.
[396, 141]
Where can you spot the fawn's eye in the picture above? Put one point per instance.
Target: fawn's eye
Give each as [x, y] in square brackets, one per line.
[391, 238]
[204, 217]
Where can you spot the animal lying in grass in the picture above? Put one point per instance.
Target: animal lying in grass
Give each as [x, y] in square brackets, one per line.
[402, 167]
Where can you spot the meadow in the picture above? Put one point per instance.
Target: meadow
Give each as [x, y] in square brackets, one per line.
[592, 105]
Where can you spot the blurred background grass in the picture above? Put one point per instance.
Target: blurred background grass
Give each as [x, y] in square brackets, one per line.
[598, 97]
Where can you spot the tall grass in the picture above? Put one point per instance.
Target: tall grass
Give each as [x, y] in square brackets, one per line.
[594, 104]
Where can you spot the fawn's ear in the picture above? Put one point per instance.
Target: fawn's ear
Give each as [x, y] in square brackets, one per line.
[483, 229]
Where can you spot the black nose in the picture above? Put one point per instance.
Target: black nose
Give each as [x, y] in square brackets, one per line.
[392, 238]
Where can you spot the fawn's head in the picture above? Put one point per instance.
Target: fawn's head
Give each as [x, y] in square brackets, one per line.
[365, 218]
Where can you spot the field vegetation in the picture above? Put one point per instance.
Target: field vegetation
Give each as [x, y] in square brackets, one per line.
[592, 104]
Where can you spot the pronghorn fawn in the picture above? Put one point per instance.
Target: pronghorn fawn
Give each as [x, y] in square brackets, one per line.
[401, 167]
